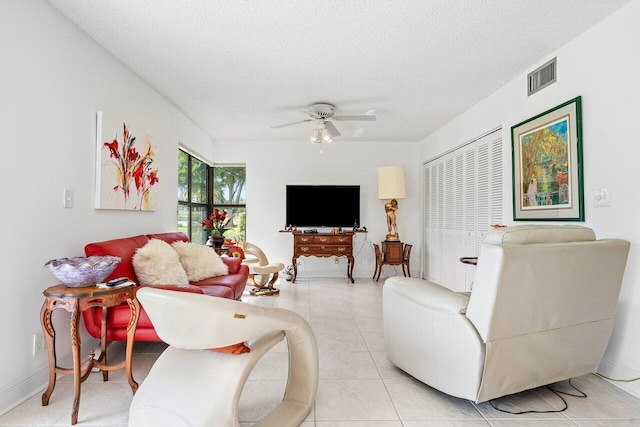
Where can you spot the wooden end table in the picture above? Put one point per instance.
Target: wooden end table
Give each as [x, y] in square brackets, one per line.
[76, 300]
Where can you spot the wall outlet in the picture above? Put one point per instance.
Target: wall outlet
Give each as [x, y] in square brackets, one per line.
[38, 343]
[601, 197]
[336, 260]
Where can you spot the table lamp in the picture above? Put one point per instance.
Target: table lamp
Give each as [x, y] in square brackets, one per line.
[391, 186]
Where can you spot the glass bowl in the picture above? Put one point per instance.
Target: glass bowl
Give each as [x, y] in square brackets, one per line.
[80, 271]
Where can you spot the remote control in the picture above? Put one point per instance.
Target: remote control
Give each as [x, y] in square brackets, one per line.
[118, 281]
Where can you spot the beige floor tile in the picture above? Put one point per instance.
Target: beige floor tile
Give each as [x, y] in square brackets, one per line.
[291, 294]
[369, 323]
[32, 413]
[387, 369]
[353, 400]
[259, 398]
[607, 423]
[374, 340]
[364, 299]
[347, 365]
[340, 341]
[358, 312]
[532, 423]
[331, 324]
[103, 404]
[447, 423]
[336, 309]
[529, 400]
[260, 301]
[368, 423]
[605, 385]
[273, 366]
[599, 404]
[417, 401]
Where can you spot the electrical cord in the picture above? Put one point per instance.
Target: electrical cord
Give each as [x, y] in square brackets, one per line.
[362, 245]
[619, 381]
[558, 393]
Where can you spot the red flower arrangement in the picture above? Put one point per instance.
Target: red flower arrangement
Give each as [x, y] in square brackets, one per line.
[131, 166]
[236, 252]
[216, 223]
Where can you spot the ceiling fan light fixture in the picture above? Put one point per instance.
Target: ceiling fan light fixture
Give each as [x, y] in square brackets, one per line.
[325, 130]
[316, 135]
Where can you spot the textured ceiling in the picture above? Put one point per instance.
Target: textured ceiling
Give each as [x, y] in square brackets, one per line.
[238, 67]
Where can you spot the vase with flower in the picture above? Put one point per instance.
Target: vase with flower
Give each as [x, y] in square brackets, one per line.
[216, 227]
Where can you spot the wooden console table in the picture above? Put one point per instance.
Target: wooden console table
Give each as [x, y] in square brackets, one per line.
[76, 300]
[323, 245]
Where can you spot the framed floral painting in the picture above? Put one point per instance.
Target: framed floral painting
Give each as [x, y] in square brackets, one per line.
[547, 165]
[126, 166]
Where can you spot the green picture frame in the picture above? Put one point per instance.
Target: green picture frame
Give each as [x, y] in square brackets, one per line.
[547, 165]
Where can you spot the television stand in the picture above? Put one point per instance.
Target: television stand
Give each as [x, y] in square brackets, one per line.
[323, 245]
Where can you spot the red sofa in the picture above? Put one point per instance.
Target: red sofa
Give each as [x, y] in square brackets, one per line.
[230, 286]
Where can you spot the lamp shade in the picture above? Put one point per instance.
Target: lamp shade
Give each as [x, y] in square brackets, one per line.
[391, 182]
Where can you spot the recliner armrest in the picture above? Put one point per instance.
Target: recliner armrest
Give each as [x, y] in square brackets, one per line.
[429, 294]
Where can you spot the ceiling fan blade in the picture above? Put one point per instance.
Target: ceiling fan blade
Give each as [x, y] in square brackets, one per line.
[331, 129]
[290, 124]
[363, 118]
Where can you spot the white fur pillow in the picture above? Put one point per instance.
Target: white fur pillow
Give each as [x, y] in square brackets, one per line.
[200, 262]
[156, 263]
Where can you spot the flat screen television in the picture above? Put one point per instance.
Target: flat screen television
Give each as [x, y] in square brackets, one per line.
[323, 205]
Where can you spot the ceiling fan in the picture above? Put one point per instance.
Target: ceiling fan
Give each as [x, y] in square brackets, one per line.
[325, 130]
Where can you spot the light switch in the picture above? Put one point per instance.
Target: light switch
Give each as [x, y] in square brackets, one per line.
[68, 199]
[601, 197]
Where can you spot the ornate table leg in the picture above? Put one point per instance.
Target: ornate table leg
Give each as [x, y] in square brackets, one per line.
[350, 268]
[49, 339]
[134, 306]
[294, 261]
[103, 344]
[75, 350]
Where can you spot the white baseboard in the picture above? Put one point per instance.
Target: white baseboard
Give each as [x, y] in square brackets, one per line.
[620, 371]
[15, 394]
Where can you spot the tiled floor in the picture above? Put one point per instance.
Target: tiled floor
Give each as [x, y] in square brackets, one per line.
[358, 386]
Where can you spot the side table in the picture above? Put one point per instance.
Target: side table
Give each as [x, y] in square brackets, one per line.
[393, 251]
[76, 300]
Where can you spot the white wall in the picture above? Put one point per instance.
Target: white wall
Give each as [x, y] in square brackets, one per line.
[273, 165]
[601, 65]
[53, 79]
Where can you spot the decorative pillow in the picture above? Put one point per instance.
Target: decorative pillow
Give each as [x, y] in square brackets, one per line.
[200, 262]
[239, 348]
[156, 263]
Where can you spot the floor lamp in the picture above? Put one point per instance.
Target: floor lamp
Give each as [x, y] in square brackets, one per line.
[391, 186]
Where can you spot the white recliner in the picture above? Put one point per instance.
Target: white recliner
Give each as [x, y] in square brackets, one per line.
[190, 385]
[541, 311]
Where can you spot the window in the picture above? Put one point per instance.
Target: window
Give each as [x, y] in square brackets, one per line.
[193, 196]
[229, 193]
[201, 188]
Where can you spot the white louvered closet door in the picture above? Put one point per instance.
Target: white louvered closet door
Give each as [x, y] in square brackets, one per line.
[462, 198]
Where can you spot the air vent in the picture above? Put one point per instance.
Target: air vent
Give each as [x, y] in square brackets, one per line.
[541, 77]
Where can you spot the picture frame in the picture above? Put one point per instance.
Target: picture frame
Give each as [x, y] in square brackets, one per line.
[548, 165]
[126, 166]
